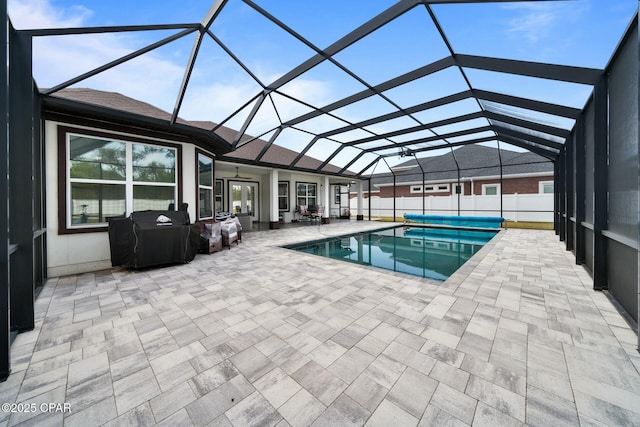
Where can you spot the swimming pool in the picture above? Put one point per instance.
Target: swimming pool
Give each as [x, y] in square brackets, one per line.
[425, 252]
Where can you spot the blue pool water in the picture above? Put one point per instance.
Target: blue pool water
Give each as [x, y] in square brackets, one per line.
[425, 252]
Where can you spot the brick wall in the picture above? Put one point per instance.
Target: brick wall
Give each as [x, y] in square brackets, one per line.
[509, 186]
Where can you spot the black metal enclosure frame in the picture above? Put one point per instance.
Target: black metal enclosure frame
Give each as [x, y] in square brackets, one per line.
[596, 181]
[595, 157]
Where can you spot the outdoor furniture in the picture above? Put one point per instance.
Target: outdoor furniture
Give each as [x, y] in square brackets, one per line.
[301, 212]
[148, 238]
[245, 220]
[316, 213]
[210, 237]
[229, 231]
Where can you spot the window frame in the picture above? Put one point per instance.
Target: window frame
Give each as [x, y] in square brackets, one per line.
[199, 185]
[485, 186]
[430, 188]
[542, 184]
[64, 182]
[307, 186]
[287, 196]
[217, 195]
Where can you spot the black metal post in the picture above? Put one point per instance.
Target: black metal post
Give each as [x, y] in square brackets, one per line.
[569, 172]
[600, 184]
[5, 328]
[562, 197]
[21, 195]
[394, 196]
[369, 198]
[501, 183]
[580, 178]
[423, 194]
[556, 196]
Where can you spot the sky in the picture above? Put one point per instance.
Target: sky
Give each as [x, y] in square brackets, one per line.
[577, 32]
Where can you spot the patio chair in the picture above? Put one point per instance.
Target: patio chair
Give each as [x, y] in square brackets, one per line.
[316, 214]
[302, 212]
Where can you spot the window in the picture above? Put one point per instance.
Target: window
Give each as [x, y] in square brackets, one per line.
[490, 189]
[205, 186]
[306, 193]
[219, 195]
[439, 188]
[546, 187]
[337, 195]
[283, 196]
[109, 177]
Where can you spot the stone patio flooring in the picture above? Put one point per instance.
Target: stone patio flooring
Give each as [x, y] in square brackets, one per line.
[260, 335]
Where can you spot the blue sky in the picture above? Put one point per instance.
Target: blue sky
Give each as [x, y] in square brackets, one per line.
[578, 32]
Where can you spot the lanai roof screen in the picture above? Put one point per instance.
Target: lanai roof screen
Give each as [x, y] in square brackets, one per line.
[358, 84]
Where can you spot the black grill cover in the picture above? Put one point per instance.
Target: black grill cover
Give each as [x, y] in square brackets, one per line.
[142, 241]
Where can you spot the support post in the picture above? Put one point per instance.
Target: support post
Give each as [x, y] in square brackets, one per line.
[600, 184]
[5, 326]
[274, 212]
[21, 192]
[326, 199]
[360, 215]
[556, 196]
[580, 177]
[369, 197]
[394, 196]
[569, 172]
[562, 195]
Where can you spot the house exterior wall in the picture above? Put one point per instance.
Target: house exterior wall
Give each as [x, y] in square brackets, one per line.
[513, 207]
[292, 177]
[81, 252]
[519, 185]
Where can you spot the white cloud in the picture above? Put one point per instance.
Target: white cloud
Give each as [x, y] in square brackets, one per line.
[155, 77]
[56, 59]
[538, 21]
[30, 14]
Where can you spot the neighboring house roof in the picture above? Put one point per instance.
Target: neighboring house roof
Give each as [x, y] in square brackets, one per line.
[475, 161]
[247, 152]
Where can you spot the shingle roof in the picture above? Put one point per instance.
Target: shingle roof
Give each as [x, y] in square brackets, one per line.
[115, 101]
[475, 161]
[248, 150]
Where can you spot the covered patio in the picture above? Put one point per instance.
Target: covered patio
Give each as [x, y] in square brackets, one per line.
[517, 336]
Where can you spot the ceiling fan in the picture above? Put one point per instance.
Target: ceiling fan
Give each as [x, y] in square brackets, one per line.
[238, 175]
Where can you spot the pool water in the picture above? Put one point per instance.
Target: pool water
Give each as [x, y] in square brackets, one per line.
[425, 252]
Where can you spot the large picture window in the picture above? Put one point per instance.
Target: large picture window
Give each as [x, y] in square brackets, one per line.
[205, 186]
[109, 177]
[306, 193]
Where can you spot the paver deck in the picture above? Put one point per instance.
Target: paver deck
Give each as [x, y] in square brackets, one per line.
[260, 335]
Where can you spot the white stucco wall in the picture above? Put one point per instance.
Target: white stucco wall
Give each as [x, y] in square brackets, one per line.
[84, 252]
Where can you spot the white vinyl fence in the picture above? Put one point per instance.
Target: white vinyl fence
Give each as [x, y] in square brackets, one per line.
[515, 207]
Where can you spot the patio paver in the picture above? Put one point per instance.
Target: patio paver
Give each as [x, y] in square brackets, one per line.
[260, 335]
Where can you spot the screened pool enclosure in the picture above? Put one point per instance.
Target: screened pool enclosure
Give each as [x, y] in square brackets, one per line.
[347, 96]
